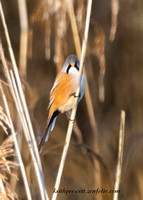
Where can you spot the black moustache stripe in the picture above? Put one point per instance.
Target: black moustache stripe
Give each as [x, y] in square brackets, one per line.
[76, 66]
[69, 66]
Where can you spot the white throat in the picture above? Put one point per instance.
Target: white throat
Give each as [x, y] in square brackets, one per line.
[73, 71]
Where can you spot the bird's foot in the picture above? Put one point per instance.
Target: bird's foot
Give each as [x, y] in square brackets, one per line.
[68, 113]
[72, 120]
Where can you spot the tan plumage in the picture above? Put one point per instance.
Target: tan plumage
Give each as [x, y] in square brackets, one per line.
[62, 95]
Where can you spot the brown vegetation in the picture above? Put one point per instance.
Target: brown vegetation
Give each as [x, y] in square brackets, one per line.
[118, 87]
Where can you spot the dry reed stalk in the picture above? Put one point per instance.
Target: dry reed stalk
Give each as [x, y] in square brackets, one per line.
[80, 14]
[43, 13]
[70, 126]
[31, 137]
[74, 28]
[120, 155]
[60, 31]
[4, 123]
[87, 91]
[20, 110]
[39, 173]
[23, 36]
[30, 41]
[78, 133]
[6, 150]
[78, 51]
[46, 19]
[100, 54]
[2, 188]
[47, 39]
[115, 10]
[140, 183]
[16, 146]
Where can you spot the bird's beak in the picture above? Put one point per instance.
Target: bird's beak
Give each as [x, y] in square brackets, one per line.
[72, 65]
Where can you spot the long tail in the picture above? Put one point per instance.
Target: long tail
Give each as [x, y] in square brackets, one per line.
[49, 128]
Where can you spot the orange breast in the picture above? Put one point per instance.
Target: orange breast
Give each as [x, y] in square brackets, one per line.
[61, 93]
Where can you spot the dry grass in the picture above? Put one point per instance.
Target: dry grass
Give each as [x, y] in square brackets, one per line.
[19, 98]
[4, 123]
[6, 166]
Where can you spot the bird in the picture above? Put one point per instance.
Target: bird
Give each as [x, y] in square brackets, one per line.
[63, 93]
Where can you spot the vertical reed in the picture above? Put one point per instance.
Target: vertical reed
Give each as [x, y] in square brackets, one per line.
[70, 126]
[120, 155]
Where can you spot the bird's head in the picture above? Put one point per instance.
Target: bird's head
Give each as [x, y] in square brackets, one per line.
[71, 64]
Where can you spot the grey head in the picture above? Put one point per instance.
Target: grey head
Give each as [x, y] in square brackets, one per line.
[71, 61]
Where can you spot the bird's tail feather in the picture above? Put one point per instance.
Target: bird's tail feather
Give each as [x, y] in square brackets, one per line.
[49, 127]
[47, 131]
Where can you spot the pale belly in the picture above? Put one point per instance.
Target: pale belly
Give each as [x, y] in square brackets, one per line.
[68, 106]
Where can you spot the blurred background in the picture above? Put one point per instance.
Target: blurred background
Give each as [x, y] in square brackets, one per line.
[114, 70]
